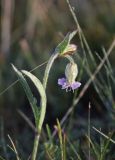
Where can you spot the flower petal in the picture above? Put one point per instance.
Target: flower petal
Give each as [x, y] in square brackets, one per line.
[75, 85]
[61, 81]
[68, 86]
[65, 86]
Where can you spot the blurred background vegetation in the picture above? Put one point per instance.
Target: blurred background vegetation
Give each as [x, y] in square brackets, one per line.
[30, 31]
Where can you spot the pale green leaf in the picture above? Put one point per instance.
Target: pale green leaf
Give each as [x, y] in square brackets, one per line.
[42, 93]
[29, 94]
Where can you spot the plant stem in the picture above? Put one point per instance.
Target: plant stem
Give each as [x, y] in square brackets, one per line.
[43, 110]
[35, 148]
[48, 67]
[89, 124]
[70, 59]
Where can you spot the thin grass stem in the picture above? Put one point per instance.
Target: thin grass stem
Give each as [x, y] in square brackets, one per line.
[111, 140]
[89, 125]
[14, 148]
[81, 35]
[73, 148]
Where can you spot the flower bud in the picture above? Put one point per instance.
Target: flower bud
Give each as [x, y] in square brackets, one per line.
[71, 72]
[71, 48]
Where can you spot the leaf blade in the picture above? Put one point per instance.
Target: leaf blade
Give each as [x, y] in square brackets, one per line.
[29, 94]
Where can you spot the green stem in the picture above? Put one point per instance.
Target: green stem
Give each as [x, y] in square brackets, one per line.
[48, 67]
[35, 148]
[70, 58]
[43, 109]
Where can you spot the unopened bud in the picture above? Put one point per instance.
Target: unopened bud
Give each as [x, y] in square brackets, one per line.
[71, 48]
[71, 72]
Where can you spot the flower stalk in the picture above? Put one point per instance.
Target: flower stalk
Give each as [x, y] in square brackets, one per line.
[64, 49]
[48, 68]
[43, 110]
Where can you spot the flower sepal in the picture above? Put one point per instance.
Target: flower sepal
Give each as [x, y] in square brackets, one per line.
[65, 47]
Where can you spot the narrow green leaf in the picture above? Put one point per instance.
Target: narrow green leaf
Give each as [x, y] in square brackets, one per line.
[61, 48]
[42, 93]
[29, 94]
[59, 133]
[94, 148]
[61, 140]
[49, 133]
[104, 151]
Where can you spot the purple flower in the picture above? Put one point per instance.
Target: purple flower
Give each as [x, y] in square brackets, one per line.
[68, 86]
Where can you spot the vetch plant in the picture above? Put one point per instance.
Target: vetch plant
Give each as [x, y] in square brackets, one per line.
[64, 49]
